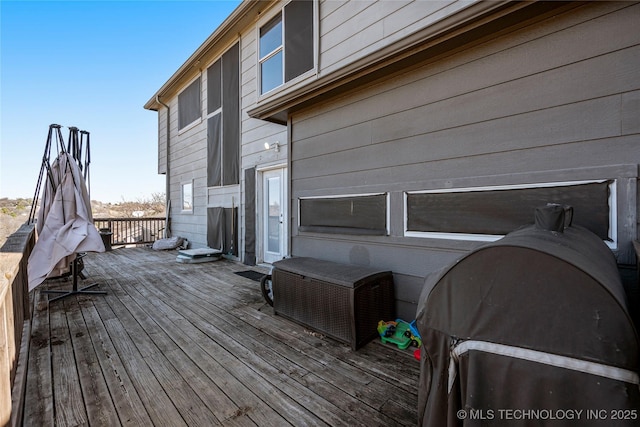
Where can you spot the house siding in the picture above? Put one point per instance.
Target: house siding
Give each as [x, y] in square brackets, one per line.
[556, 100]
[352, 30]
[255, 132]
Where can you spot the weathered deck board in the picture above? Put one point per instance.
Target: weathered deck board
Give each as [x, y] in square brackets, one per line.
[195, 344]
[38, 408]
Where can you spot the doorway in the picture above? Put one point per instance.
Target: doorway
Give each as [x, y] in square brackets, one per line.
[274, 207]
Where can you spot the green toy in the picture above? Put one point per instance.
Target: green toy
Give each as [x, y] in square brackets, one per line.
[397, 332]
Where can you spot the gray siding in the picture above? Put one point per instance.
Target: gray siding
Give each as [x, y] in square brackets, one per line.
[351, 30]
[554, 101]
[255, 132]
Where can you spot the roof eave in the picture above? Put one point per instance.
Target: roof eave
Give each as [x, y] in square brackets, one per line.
[245, 14]
[422, 45]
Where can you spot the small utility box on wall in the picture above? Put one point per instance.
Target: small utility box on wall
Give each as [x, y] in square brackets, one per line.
[342, 301]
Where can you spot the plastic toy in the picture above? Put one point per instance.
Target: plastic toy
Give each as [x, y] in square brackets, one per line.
[414, 329]
[398, 332]
[386, 329]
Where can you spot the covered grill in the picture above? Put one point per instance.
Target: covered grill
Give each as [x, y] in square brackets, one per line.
[530, 328]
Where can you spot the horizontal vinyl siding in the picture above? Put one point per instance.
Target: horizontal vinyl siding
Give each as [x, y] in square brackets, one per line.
[561, 96]
[254, 133]
[351, 30]
[188, 164]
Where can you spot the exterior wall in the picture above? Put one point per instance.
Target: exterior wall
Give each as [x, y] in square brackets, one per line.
[351, 30]
[369, 26]
[187, 163]
[554, 101]
[256, 132]
[188, 153]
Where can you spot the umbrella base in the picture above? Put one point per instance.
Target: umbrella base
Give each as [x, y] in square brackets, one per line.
[75, 271]
[65, 294]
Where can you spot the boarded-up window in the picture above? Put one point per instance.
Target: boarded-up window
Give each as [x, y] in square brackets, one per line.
[189, 104]
[500, 211]
[345, 215]
[223, 124]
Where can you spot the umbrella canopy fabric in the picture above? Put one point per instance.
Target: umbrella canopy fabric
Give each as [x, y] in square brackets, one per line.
[65, 223]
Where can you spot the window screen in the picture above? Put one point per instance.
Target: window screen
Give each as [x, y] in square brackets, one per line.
[223, 124]
[231, 116]
[189, 104]
[298, 38]
[346, 215]
[499, 212]
[214, 77]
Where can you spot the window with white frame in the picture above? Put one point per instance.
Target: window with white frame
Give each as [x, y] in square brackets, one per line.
[286, 45]
[187, 196]
[189, 105]
[488, 213]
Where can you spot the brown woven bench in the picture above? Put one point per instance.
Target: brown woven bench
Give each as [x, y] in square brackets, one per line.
[342, 301]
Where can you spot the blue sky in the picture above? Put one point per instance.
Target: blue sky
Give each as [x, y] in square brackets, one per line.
[93, 65]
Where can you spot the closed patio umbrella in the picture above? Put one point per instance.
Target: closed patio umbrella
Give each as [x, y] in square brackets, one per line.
[65, 223]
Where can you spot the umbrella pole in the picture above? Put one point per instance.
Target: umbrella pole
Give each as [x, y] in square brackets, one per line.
[74, 290]
[45, 167]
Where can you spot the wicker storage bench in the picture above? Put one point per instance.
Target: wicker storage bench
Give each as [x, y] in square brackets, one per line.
[342, 301]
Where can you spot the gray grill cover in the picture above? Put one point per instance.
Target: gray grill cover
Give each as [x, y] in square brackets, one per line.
[553, 292]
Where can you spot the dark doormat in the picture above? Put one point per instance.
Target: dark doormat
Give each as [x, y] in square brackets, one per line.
[250, 274]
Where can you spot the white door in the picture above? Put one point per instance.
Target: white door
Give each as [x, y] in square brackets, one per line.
[273, 215]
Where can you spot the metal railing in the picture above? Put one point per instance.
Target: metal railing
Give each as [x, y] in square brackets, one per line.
[129, 231]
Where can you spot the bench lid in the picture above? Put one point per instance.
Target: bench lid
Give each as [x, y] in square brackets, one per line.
[348, 275]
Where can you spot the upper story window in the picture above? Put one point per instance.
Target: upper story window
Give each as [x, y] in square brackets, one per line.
[189, 105]
[286, 45]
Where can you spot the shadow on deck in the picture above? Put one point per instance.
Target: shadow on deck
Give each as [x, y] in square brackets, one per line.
[176, 344]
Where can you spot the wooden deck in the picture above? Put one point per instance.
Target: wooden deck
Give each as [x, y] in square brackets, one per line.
[176, 344]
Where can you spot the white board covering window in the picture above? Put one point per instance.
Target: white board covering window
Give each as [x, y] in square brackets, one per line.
[286, 45]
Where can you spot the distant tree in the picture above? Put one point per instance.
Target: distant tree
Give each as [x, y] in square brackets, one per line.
[145, 207]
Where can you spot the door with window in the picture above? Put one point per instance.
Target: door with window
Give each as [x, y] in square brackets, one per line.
[273, 215]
